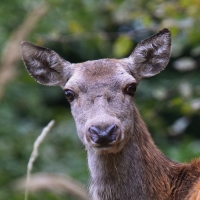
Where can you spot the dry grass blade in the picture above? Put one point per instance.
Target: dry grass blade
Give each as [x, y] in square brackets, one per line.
[35, 154]
[56, 183]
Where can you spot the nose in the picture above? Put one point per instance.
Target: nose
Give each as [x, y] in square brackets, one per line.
[103, 136]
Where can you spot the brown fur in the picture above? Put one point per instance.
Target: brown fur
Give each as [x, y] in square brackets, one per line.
[131, 167]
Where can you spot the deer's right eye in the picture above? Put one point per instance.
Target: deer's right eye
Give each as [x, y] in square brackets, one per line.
[70, 95]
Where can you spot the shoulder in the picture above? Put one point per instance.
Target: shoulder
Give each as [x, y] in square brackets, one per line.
[194, 193]
[196, 163]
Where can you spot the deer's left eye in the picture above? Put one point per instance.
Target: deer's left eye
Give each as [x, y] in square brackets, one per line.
[130, 89]
[70, 95]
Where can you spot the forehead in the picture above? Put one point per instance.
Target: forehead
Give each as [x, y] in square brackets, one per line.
[100, 72]
[99, 68]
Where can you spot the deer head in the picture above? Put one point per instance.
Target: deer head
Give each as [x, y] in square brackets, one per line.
[100, 92]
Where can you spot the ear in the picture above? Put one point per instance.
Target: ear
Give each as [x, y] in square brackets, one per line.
[44, 65]
[151, 55]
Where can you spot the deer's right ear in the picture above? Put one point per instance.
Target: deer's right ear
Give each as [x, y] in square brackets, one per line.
[44, 65]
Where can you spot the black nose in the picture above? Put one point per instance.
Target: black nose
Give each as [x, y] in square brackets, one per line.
[103, 136]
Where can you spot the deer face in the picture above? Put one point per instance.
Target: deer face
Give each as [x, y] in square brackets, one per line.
[100, 92]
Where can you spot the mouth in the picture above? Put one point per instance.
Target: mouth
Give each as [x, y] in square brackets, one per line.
[108, 148]
[103, 146]
[112, 144]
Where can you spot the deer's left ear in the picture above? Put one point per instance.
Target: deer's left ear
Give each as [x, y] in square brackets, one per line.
[151, 55]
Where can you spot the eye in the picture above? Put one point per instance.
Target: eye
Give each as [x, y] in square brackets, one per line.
[130, 89]
[70, 95]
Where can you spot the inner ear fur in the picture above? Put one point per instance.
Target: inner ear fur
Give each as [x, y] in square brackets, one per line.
[45, 65]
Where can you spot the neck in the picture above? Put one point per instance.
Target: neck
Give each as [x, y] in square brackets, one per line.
[136, 172]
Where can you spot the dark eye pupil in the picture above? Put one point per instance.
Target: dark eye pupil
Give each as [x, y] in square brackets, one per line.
[69, 95]
[131, 89]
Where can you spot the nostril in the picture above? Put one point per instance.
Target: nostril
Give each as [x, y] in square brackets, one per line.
[103, 136]
[94, 133]
[111, 131]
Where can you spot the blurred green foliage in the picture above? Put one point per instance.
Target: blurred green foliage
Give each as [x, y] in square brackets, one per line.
[83, 30]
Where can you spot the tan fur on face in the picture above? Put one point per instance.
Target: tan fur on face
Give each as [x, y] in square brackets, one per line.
[99, 87]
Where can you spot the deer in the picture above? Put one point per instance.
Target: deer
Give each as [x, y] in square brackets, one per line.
[123, 160]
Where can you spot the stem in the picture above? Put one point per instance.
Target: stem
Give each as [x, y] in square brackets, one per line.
[34, 154]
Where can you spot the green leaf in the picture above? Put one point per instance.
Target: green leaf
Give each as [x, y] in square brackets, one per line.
[122, 46]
